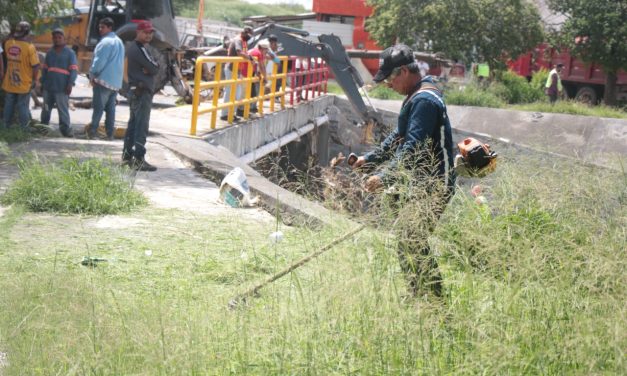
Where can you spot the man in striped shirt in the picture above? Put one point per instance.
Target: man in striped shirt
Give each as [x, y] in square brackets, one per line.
[57, 79]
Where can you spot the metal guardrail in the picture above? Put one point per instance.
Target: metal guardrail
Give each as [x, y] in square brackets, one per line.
[302, 82]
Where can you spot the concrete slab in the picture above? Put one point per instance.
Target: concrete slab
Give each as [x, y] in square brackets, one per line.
[215, 162]
[174, 185]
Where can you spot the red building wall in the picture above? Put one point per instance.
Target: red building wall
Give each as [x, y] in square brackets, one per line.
[351, 8]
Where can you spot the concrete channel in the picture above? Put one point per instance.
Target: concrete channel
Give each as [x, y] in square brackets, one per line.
[326, 125]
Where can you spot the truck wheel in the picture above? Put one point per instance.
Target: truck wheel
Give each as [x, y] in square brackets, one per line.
[587, 95]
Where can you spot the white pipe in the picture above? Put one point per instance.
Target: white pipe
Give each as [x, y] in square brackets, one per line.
[283, 140]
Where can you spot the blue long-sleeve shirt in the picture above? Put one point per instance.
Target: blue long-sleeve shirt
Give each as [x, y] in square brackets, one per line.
[59, 70]
[107, 68]
[423, 132]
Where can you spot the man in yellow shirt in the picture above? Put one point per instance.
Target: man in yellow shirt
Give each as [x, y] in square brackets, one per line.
[21, 75]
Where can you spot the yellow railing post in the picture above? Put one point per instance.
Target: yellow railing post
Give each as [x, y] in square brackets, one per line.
[234, 87]
[216, 93]
[231, 103]
[196, 97]
[248, 87]
[273, 86]
[284, 83]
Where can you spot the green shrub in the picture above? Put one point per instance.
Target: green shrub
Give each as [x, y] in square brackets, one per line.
[516, 89]
[72, 186]
[334, 88]
[384, 92]
[14, 134]
[472, 95]
[538, 80]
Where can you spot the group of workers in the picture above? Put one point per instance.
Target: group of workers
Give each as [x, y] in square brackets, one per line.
[265, 50]
[58, 77]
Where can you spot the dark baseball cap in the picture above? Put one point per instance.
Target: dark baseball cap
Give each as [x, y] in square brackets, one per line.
[58, 30]
[393, 57]
[22, 29]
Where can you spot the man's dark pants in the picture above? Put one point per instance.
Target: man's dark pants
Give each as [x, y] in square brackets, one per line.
[137, 129]
[416, 259]
[61, 99]
[13, 101]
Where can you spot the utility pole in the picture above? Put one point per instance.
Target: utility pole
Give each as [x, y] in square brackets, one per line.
[201, 14]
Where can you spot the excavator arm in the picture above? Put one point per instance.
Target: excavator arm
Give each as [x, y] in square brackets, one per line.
[330, 49]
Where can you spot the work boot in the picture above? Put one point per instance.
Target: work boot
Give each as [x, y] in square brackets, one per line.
[226, 118]
[127, 160]
[142, 165]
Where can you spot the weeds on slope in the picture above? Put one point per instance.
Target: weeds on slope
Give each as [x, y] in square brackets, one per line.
[534, 283]
[72, 186]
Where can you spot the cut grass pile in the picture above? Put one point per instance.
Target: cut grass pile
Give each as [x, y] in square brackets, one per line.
[72, 186]
[534, 285]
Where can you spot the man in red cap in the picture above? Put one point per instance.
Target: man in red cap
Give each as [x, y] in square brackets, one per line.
[141, 69]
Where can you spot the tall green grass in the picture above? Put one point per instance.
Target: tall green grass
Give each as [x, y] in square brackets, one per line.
[72, 186]
[384, 92]
[573, 108]
[472, 95]
[534, 285]
[14, 134]
[515, 89]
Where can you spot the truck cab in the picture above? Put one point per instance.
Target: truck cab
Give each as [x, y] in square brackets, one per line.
[82, 35]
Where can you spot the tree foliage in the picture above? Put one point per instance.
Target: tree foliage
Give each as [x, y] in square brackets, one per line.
[472, 30]
[595, 31]
[233, 11]
[29, 10]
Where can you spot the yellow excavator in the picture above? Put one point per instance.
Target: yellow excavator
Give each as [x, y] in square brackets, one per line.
[80, 25]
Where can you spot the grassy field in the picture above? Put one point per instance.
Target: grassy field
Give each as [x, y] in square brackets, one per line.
[535, 284]
[494, 97]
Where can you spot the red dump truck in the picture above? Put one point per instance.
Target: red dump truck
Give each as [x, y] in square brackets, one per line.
[583, 81]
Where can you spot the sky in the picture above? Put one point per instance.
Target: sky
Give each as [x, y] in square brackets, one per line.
[305, 3]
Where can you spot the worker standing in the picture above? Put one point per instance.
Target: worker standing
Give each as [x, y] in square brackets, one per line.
[142, 68]
[553, 86]
[274, 48]
[421, 144]
[1, 64]
[57, 79]
[261, 52]
[237, 47]
[106, 74]
[21, 75]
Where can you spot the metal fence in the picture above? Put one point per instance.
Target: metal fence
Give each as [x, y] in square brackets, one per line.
[225, 94]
